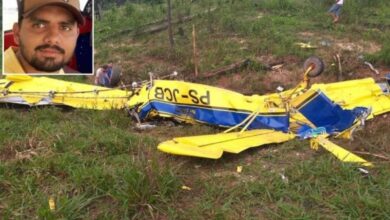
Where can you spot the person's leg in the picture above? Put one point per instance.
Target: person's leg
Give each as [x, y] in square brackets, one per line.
[334, 12]
[331, 11]
[334, 17]
[337, 14]
[106, 81]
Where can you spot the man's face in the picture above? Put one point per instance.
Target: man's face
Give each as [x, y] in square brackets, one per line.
[47, 38]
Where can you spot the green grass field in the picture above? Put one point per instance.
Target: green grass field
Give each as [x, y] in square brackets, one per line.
[96, 165]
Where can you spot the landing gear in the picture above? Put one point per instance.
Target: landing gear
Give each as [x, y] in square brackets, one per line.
[315, 65]
[115, 76]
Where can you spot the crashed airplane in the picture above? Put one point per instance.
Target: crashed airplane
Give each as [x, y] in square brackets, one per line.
[314, 112]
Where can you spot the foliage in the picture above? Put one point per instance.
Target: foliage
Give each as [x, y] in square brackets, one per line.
[78, 164]
[382, 56]
[93, 165]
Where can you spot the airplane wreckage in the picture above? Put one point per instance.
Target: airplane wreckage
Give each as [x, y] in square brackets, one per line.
[314, 112]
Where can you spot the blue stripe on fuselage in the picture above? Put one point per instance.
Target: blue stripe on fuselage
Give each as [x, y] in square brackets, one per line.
[218, 116]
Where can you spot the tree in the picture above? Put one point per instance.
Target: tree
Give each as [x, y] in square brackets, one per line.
[170, 34]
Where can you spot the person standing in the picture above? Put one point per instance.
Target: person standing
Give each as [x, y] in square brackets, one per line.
[109, 69]
[102, 78]
[335, 10]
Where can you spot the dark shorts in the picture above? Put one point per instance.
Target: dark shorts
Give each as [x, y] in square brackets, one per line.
[335, 9]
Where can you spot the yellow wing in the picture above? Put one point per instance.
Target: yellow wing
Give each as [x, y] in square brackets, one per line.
[338, 151]
[24, 89]
[213, 146]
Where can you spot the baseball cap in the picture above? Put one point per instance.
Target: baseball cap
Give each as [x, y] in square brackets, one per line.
[27, 7]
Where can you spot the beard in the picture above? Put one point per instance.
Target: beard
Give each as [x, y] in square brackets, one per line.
[45, 64]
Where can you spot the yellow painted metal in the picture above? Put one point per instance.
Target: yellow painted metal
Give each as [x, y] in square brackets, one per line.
[213, 146]
[338, 151]
[203, 96]
[35, 89]
[354, 93]
[183, 149]
[348, 94]
[304, 97]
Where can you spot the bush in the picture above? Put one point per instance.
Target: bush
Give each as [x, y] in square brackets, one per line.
[382, 56]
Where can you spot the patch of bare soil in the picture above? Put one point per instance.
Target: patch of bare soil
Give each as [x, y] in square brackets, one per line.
[7, 153]
[230, 82]
[352, 67]
[339, 44]
[281, 77]
[307, 34]
[360, 46]
[129, 42]
[271, 60]
[18, 150]
[138, 69]
[372, 139]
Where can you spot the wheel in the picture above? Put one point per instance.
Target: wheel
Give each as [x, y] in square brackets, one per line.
[115, 76]
[318, 66]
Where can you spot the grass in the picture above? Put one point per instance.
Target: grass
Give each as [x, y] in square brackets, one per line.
[95, 165]
[1, 54]
[382, 56]
[267, 27]
[78, 164]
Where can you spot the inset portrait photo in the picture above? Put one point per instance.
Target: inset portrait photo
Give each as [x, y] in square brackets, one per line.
[48, 37]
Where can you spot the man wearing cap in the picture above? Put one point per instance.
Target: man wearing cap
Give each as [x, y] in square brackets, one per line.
[46, 35]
